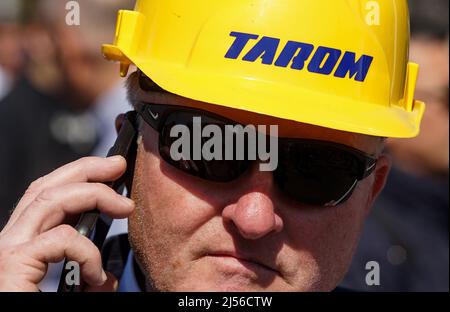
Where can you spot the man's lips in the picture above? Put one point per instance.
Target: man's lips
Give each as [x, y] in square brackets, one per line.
[244, 259]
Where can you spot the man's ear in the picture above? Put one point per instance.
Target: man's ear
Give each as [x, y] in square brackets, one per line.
[381, 174]
[119, 122]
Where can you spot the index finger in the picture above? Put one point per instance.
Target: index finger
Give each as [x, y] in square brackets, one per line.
[88, 169]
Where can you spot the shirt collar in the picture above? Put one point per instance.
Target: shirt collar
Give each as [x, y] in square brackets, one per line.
[128, 282]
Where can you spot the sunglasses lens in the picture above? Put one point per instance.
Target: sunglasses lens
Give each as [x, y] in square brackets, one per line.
[217, 169]
[316, 175]
[309, 172]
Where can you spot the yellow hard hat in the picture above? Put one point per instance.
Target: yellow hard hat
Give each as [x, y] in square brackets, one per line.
[340, 64]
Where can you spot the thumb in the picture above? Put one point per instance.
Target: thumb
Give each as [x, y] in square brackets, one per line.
[110, 285]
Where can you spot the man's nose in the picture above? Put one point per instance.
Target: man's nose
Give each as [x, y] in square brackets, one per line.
[254, 213]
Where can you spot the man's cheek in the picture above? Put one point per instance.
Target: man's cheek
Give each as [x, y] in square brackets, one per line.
[327, 237]
[182, 211]
[341, 236]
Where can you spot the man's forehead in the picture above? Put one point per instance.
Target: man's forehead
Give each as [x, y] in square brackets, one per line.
[286, 128]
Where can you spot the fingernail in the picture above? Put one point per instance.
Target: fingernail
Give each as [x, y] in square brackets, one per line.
[104, 277]
[116, 285]
[128, 201]
[116, 158]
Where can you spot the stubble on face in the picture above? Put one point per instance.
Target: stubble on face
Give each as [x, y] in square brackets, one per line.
[167, 236]
[151, 254]
[167, 258]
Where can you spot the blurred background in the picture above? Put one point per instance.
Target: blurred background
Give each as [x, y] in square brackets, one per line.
[59, 99]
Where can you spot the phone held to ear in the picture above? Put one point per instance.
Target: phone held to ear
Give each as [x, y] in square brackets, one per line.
[93, 224]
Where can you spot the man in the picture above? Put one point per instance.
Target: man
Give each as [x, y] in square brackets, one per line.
[201, 224]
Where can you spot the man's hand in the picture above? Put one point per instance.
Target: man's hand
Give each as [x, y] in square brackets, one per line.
[36, 233]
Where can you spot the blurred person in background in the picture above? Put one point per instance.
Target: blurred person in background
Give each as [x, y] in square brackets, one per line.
[34, 109]
[11, 58]
[66, 98]
[92, 81]
[407, 232]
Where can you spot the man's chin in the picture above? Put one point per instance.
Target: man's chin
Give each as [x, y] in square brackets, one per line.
[225, 274]
[213, 286]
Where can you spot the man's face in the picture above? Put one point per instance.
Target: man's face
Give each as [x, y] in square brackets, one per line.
[194, 235]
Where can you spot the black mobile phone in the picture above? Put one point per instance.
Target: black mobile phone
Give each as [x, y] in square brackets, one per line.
[93, 224]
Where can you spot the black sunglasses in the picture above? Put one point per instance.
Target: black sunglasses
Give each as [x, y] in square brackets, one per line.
[309, 171]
